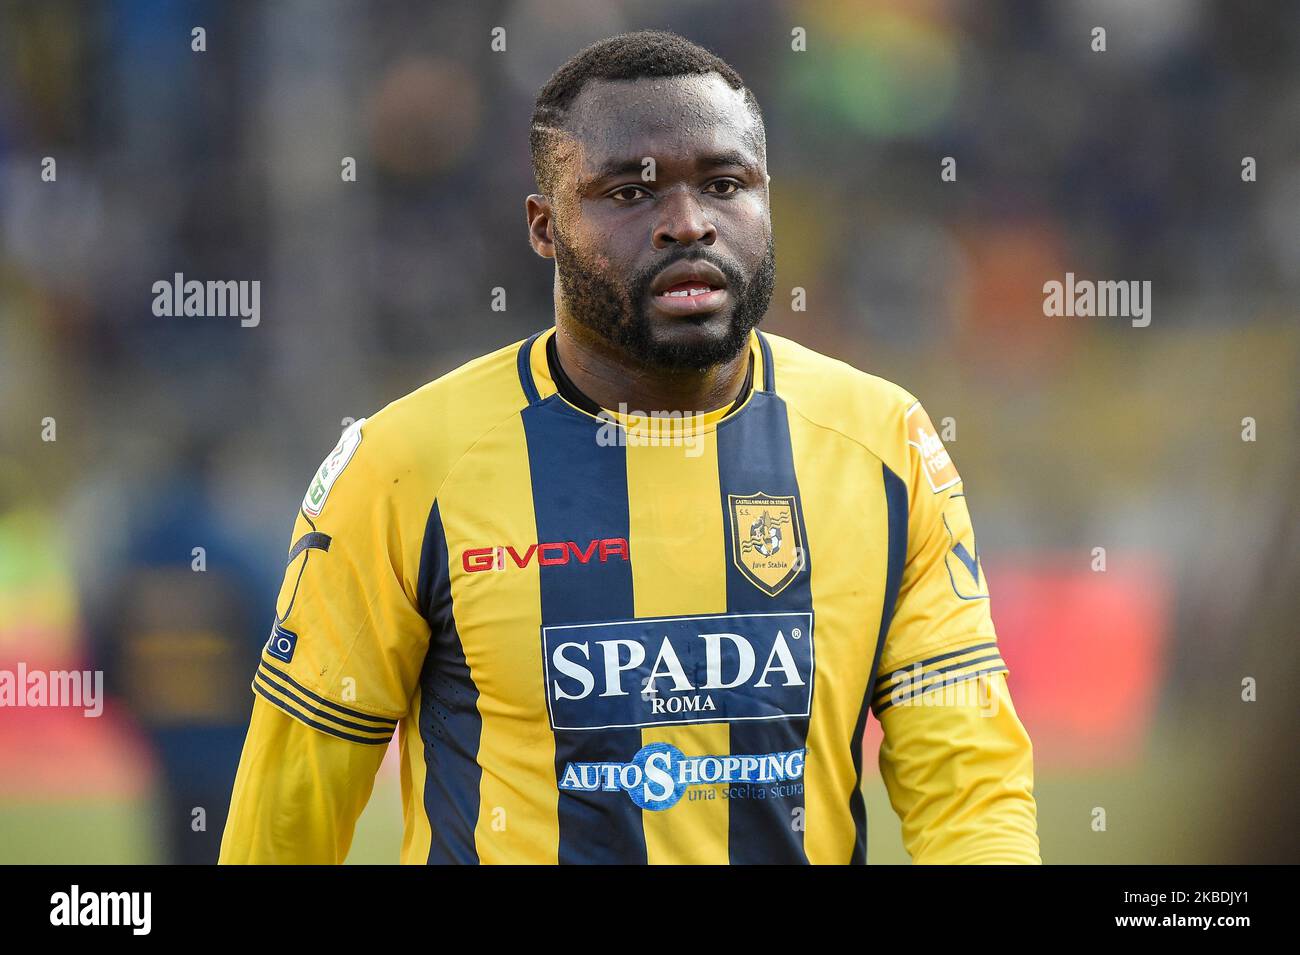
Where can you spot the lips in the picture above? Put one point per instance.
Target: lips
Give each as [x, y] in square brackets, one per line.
[684, 278]
[689, 289]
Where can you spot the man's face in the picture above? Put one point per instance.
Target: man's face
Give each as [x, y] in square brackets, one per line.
[704, 215]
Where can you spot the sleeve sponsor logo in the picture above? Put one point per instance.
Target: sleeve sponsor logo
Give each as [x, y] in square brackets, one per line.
[673, 670]
[314, 500]
[282, 643]
[939, 470]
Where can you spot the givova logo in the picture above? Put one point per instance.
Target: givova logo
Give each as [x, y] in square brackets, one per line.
[669, 670]
[659, 774]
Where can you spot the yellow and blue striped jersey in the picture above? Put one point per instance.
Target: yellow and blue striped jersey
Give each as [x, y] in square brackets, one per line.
[611, 637]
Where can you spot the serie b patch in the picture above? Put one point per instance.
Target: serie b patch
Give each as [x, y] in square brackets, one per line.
[939, 470]
[314, 500]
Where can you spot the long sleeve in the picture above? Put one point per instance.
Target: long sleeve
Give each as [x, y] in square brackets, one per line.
[337, 672]
[960, 776]
[956, 759]
[298, 793]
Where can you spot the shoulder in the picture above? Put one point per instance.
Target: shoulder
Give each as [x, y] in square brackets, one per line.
[449, 413]
[404, 450]
[834, 395]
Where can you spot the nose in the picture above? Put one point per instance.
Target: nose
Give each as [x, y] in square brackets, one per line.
[682, 221]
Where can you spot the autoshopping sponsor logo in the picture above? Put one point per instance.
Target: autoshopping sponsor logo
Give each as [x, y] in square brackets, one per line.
[660, 774]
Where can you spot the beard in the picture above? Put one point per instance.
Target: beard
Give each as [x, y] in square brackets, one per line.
[619, 312]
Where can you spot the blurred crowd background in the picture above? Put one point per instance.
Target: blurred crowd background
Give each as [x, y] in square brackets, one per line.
[1072, 433]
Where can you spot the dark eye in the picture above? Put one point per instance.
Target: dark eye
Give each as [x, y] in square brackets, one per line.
[734, 187]
[620, 194]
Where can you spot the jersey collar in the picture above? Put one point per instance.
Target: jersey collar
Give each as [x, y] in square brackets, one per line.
[537, 376]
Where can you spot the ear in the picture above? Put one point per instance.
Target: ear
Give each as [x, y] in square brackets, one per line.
[540, 224]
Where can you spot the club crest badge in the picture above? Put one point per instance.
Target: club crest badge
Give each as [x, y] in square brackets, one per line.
[766, 540]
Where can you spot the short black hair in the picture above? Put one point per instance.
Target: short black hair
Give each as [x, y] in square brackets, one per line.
[628, 56]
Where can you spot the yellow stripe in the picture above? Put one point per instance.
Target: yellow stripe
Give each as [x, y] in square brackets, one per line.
[541, 370]
[845, 520]
[679, 567]
[499, 619]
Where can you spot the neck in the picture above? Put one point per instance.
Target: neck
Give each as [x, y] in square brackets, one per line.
[610, 379]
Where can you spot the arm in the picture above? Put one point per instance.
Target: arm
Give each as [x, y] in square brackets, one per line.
[297, 794]
[955, 759]
[960, 776]
[338, 670]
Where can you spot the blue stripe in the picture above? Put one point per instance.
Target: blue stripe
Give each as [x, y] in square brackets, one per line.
[312, 723]
[305, 561]
[943, 683]
[956, 653]
[309, 710]
[917, 677]
[755, 457]
[450, 724]
[387, 723]
[896, 509]
[313, 541]
[926, 681]
[526, 368]
[580, 494]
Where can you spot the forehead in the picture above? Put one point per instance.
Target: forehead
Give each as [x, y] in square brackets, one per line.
[664, 117]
